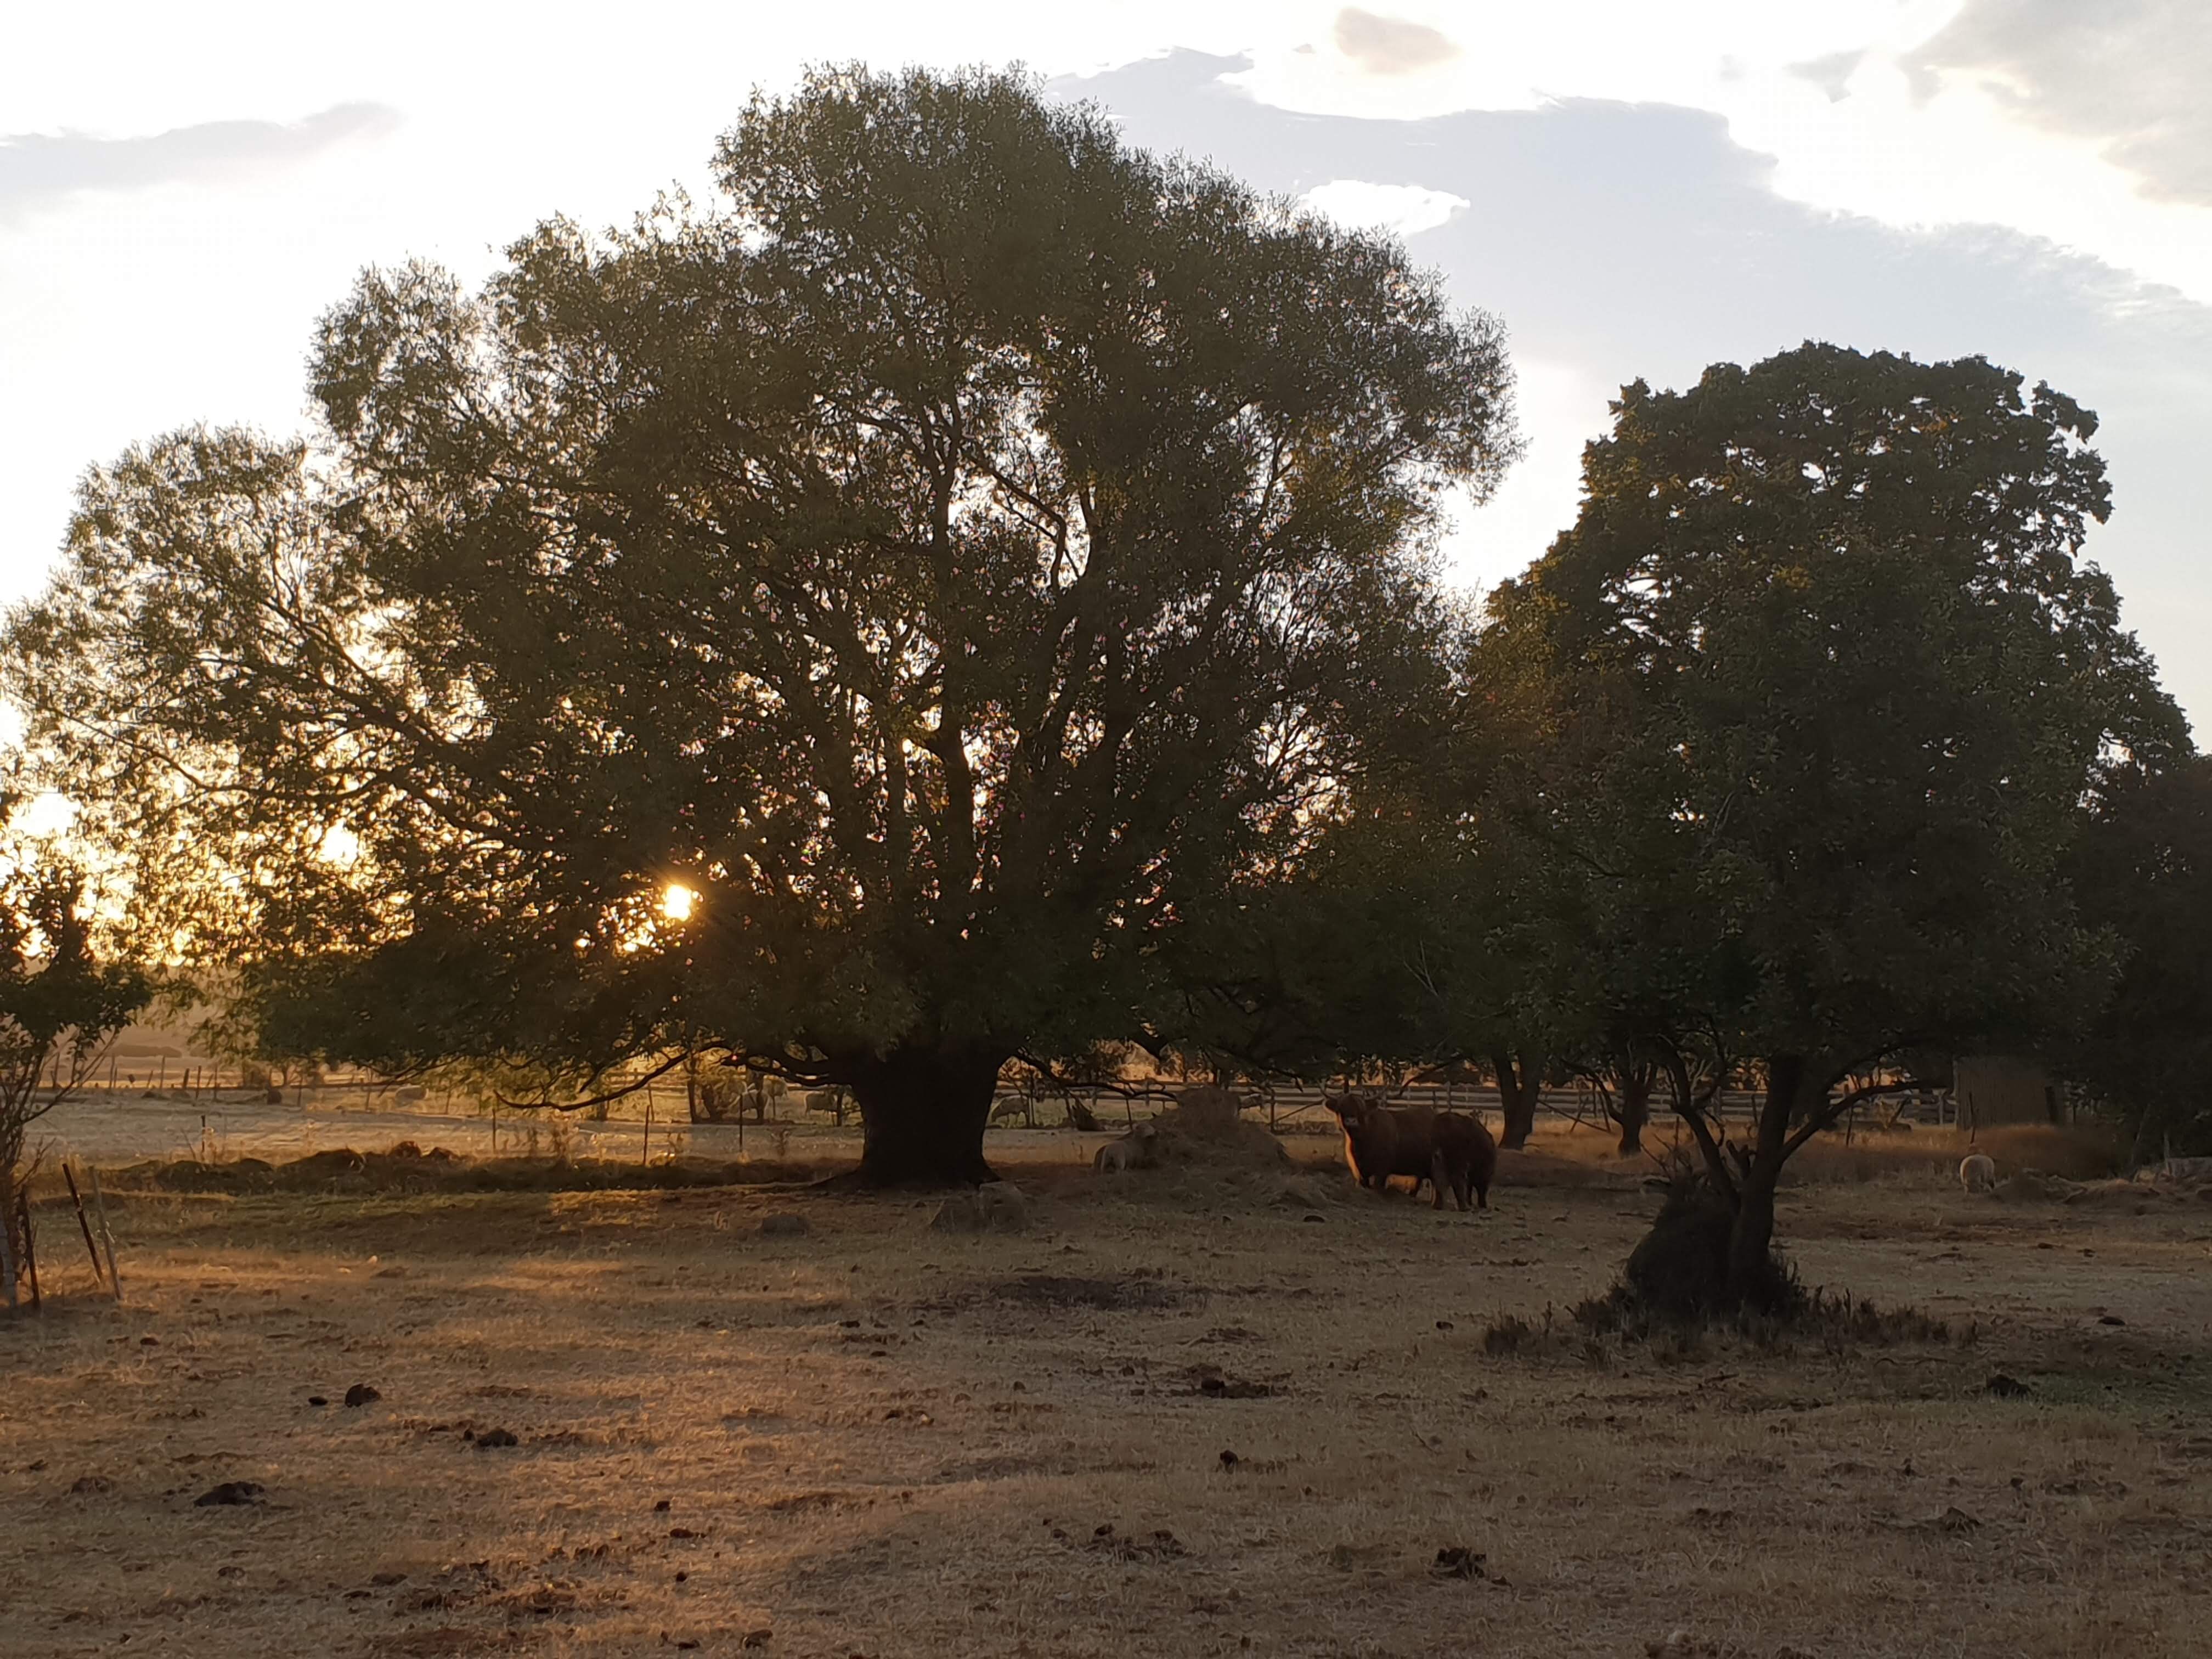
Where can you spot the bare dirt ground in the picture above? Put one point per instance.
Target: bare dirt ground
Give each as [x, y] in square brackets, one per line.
[877, 1440]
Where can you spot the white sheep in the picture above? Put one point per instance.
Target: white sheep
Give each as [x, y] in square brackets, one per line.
[1134, 1151]
[1978, 1172]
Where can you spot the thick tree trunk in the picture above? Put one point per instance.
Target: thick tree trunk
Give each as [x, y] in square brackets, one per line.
[1751, 1240]
[11, 1200]
[1632, 1092]
[1516, 1092]
[923, 1112]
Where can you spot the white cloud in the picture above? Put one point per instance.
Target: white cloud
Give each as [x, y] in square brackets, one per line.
[192, 295]
[1390, 46]
[1877, 107]
[1401, 210]
[2130, 75]
[43, 167]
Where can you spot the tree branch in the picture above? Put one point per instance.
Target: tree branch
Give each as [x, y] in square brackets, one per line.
[1827, 1116]
[612, 1095]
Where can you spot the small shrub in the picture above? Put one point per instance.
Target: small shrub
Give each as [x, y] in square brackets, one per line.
[1508, 1334]
[1843, 1320]
[1680, 1270]
[1838, 1320]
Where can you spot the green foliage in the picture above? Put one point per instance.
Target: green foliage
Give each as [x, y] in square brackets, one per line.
[59, 1001]
[1835, 684]
[1430, 922]
[2144, 869]
[973, 548]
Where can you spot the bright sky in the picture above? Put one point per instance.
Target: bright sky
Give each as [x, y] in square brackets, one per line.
[1636, 188]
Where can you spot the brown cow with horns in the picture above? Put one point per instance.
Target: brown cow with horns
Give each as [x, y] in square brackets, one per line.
[1449, 1150]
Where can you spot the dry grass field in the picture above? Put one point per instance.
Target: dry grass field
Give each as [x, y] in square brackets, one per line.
[1182, 1414]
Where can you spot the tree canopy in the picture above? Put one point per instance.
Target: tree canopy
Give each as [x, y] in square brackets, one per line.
[847, 628]
[1830, 687]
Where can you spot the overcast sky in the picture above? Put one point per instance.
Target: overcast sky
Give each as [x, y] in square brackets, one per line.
[1638, 189]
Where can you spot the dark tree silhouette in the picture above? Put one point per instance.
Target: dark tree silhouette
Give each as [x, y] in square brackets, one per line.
[943, 564]
[2144, 869]
[59, 1002]
[1840, 684]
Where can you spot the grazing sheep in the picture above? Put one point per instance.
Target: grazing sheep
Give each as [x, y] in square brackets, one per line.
[1134, 1151]
[1451, 1152]
[1978, 1172]
[834, 1101]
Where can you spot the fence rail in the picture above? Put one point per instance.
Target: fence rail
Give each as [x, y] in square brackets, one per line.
[1292, 1106]
[1287, 1107]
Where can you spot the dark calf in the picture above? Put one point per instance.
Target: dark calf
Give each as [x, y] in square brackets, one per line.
[1451, 1152]
[1466, 1150]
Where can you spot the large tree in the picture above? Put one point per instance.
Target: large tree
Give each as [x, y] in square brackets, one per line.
[1842, 682]
[845, 629]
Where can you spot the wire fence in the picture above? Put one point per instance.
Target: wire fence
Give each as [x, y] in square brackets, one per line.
[1291, 1107]
[210, 1110]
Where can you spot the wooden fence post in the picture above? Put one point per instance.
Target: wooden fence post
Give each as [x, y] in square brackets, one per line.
[30, 1251]
[106, 1233]
[84, 1225]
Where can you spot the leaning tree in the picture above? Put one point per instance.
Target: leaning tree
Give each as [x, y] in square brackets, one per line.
[1842, 685]
[843, 631]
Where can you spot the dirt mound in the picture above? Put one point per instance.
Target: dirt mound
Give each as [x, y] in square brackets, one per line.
[1204, 1128]
[1313, 1188]
[407, 1168]
[2030, 1184]
[2130, 1195]
[1202, 1151]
